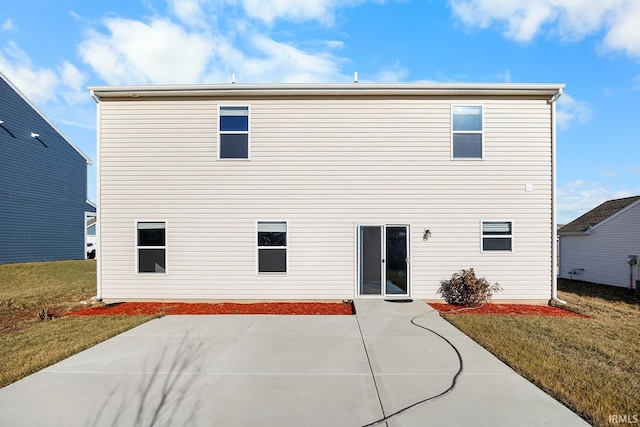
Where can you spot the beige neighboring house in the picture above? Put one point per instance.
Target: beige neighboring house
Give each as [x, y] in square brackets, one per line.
[603, 245]
[324, 191]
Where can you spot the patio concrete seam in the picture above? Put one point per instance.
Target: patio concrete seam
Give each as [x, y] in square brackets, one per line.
[291, 374]
[373, 377]
[431, 398]
[120, 373]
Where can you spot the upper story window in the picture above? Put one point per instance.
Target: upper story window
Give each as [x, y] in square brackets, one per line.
[234, 132]
[152, 247]
[466, 131]
[497, 236]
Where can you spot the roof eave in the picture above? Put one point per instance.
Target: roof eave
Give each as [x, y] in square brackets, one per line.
[572, 233]
[543, 90]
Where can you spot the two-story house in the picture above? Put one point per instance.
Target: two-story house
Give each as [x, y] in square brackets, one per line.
[43, 185]
[324, 191]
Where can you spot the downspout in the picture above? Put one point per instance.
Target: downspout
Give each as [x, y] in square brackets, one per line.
[98, 221]
[554, 220]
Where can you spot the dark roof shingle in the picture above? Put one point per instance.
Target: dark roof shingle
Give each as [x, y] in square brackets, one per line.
[598, 214]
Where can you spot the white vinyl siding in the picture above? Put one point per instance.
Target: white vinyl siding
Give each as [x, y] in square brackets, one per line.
[601, 257]
[325, 164]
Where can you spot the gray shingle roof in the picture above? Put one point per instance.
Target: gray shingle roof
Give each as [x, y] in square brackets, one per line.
[598, 214]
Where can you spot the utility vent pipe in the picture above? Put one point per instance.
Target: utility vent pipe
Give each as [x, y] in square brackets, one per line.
[632, 260]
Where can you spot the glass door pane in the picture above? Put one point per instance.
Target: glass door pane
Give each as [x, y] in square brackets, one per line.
[370, 260]
[396, 257]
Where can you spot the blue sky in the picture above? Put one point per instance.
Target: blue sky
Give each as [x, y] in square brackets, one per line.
[52, 50]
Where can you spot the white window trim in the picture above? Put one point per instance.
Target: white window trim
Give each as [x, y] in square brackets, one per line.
[248, 132]
[165, 247]
[481, 132]
[482, 236]
[257, 253]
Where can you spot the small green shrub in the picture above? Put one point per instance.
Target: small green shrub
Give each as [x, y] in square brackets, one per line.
[465, 288]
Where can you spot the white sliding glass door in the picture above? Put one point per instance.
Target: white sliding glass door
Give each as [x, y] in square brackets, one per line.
[383, 260]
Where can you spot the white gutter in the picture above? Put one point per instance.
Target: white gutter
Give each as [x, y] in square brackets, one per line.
[554, 220]
[93, 95]
[330, 89]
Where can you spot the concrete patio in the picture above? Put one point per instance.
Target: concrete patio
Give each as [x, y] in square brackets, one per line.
[247, 370]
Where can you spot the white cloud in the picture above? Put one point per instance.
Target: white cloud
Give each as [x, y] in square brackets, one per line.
[136, 52]
[7, 25]
[392, 74]
[523, 20]
[571, 110]
[295, 10]
[286, 63]
[72, 84]
[624, 33]
[189, 11]
[574, 199]
[575, 184]
[504, 76]
[198, 12]
[337, 44]
[609, 172]
[190, 46]
[161, 51]
[42, 84]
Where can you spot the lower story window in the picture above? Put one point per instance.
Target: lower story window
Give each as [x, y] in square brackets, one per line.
[272, 247]
[151, 247]
[497, 235]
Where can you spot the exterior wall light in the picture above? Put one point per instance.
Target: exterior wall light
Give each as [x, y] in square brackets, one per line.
[426, 235]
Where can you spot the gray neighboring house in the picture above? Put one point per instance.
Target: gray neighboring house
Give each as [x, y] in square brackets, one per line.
[596, 246]
[43, 185]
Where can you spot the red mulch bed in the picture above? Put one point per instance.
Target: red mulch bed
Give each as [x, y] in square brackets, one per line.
[153, 308]
[506, 309]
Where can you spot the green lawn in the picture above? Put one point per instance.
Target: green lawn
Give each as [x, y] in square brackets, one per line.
[28, 344]
[591, 365]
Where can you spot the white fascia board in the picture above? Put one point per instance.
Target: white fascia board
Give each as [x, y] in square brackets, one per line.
[45, 118]
[546, 90]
